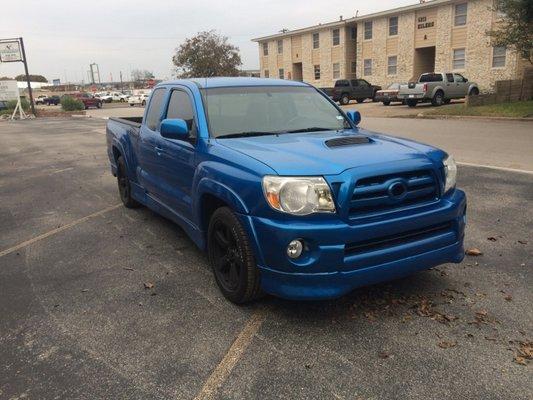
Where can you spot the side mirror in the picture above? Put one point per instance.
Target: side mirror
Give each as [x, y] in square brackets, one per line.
[466, 80]
[174, 129]
[354, 116]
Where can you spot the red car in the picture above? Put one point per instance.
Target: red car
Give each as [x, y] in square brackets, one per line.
[88, 100]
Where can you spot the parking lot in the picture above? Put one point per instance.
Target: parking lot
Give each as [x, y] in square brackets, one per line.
[99, 301]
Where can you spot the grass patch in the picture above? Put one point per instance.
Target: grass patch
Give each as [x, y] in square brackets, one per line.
[519, 109]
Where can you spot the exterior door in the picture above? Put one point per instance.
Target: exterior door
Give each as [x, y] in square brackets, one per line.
[178, 157]
[150, 166]
[461, 85]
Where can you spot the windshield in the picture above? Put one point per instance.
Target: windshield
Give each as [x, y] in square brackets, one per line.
[260, 110]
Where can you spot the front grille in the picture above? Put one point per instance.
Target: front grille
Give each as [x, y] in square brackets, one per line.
[374, 195]
[397, 240]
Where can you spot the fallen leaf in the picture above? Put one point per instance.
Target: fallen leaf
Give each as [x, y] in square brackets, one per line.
[446, 345]
[128, 269]
[492, 239]
[148, 285]
[383, 354]
[84, 290]
[522, 242]
[473, 252]
[508, 298]
[520, 360]
[492, 339]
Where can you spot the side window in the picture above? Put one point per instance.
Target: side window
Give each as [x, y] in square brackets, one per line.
[180, 106]
[459, 78]
[154, 110]
[449, 77]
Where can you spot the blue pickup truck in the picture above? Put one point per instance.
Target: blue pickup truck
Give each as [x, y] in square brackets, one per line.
[284, 191]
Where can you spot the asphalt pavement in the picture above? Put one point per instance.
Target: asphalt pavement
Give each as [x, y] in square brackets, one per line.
[98, 301]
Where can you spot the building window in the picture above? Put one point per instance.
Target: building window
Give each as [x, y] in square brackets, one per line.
[336, 70]
[281, 73]
[317, 72]
[498, 56]
[459, 59]
[336, 37]
[368, 67]
[368, 30]
[393, 26]
[267, 73]
[280, 46]
[353, 33]
[265, 49]
[460, 14]
[392, 65]
[354, 67]
[316, 40]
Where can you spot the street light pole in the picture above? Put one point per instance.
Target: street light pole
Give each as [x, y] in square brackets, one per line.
[27, 75]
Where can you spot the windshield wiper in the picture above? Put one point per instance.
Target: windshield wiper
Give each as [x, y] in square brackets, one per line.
[312, 129]
[247, 134]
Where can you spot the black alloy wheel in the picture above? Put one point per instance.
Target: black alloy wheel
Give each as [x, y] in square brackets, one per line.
[232, 258]
[124, 187]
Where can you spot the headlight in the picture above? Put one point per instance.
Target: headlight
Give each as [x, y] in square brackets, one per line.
[450, 171]
[298, 196]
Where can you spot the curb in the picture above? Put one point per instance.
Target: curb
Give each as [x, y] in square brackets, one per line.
[464, 117]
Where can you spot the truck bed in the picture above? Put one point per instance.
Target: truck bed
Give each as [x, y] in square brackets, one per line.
[133, 121]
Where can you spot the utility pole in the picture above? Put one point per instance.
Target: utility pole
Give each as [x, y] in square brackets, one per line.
[121, 85]
[27, 75]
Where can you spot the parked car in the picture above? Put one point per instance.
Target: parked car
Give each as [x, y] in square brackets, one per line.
[283, 189]
[40, 99]
[3, 105]
[389, 95]
[52, 100]
[88, 100]
[437, 88]
[106, 97]
[354, 89]
[138, 99]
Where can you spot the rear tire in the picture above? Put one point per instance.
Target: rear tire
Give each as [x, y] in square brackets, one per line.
[360, 100]
[438, 99]
[447, 101]
[386, 103]
[232, 258]
[474, 92]
[344, 100]
[124, 186]
[412, 103]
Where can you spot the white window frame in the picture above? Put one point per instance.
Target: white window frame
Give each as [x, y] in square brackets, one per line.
[336, 37]
[316, 43]
[371, 30]
[316, 71]
[280, 46]
[336, 68]
[367, 67]
[281, 73]
[496, 57]
[390, 65]
[457, 16]
[265, 49]
[397, 23]
[456, 60]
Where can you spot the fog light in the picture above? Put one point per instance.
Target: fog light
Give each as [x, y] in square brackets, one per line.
[295, 248]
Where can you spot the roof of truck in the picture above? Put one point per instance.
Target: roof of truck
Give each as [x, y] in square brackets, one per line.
[233, 82]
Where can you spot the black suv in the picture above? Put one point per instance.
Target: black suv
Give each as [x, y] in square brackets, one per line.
[354, 89]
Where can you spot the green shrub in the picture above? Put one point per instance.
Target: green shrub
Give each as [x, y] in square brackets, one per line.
[71, 104]
[11, 104]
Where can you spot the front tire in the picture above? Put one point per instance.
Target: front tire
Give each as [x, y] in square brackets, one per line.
[124, 186]
[412, 103]
[345, 100]
[474, 92]
[232, 258]
[386, 103]
[360, 100]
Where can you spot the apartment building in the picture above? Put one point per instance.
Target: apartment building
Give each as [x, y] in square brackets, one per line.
[394, 46]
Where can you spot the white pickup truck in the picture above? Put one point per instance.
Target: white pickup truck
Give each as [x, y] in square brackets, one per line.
[437, 88]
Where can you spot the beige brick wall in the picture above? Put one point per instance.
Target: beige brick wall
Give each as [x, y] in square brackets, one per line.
[444, 36]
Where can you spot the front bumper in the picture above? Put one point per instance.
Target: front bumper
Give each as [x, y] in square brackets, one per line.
[328, 270]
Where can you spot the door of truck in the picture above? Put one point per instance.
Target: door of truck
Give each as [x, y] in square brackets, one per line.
[364, 89]
[461, 85]
[150, 165]
[450, 86]
[178, 157]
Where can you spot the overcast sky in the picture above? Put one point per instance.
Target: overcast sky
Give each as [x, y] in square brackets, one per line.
[63, 37]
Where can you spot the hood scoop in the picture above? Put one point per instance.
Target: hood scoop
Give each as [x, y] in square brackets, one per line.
[347, 141]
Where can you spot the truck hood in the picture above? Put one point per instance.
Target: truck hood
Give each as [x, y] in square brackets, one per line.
[307, 153]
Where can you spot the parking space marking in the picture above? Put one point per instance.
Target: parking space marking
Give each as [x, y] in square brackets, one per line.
[232, 357]
[523, 171]
[57, 230]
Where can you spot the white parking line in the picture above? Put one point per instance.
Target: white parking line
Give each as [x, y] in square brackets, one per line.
[522, 171]
[232, 357]
[57, 230]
